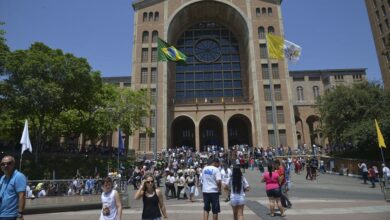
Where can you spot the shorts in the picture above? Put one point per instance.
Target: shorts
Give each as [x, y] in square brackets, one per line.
[274, 193]
[213, 199]
[237, 200]
[191, 189]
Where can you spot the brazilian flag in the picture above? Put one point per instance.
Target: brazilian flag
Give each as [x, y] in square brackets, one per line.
[167, 52]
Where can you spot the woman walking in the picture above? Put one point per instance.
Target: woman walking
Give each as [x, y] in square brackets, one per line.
[112, 204]
[238, 186]
[191, 184]
[152, 198]
[272, 182]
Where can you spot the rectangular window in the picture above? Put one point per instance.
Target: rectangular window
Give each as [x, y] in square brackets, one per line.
[153, 75]
[144, 55]
[278, 93]
[271, 138]
[153, 98]
[377, 16]
[267, 93]
[142, 142]
[143, 121]
[280, 114]
[275, 71]
[153, 118]
[339, 77]
[298, 78]
[268, 111]
[263, 51]
[264, 70]
[282, 137]
[387, 24]
[314, 78]
[144, 75]
[384, 10]
[154, 55]
[152, 142]
[380, 28]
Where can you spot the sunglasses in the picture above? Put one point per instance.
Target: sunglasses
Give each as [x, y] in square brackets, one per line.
[5, 163]
[149, 181]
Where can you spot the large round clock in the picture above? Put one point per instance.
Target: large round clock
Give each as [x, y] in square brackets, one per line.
[207, 50]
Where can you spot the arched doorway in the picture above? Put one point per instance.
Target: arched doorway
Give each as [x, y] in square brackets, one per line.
[210, 132]
[239, 131]
[183, 132]
[300, 132]
[313, 122]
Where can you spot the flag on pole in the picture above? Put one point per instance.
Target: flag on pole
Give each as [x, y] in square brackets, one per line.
[291, 51]
[121, 145]
[381, 140]
[25, 141]
[278, 48]
[275, 46]
[167, 52]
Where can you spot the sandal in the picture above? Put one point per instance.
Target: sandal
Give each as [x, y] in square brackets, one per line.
[283, 215]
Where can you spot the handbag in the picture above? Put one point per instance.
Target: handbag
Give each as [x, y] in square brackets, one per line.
[196, 191]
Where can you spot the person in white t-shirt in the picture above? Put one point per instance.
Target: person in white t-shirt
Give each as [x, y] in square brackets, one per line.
[386, 174]
[238, 185]
[211, 188]
[226, 174]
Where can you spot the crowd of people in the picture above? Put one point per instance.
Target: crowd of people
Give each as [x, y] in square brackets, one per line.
[186, 174]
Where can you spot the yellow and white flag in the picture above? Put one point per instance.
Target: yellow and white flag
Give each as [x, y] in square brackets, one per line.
[381, 140]
[275, 46]
[278, 48]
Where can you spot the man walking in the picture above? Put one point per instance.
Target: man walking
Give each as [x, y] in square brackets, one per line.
[12, 191]
[364, 169]
[211, 188]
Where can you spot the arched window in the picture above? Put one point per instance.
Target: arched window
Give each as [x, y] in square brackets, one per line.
[264, 11]
[261, 32]
[156, 16]
[316, 91]
[300, 93]
[145, 37]
[271, 30]
[145, 17]
[154, 36]
[258, 12]
[269, 11]
[150, 16]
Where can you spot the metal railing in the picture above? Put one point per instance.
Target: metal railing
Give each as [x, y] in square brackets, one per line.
[71, 187]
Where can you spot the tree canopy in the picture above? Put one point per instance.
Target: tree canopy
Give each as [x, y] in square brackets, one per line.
[347, 115]
[62, 97]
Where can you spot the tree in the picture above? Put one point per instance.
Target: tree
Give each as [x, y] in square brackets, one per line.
[347, 115]
[4, 50]
[41, 84]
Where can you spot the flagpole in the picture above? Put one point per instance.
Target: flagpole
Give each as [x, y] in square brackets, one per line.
[383, 158]
[119, 139]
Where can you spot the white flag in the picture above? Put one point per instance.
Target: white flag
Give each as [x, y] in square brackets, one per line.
[292, 51]
[25, 141]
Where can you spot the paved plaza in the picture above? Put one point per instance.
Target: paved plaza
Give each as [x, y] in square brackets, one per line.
[328, 197]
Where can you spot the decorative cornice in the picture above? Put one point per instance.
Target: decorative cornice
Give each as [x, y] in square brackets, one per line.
[139, 4]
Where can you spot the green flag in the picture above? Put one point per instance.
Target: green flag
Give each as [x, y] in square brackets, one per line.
[167, 52]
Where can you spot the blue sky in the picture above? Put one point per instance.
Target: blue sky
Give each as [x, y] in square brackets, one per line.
[332, 33]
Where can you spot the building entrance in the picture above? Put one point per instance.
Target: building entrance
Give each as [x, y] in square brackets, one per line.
[210, 132]
[239, 131]
[183, 132]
